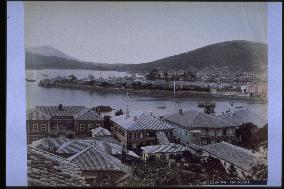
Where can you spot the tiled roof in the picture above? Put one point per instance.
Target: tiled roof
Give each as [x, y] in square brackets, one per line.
[93, 159]
[195, 119]
[243, 116]
[47, 169]
[162, 137]
[75, 146]
[164, 148]
[143, 122]
[35, 114]
[66, 111]
[49, 143]
[77, 112]
[88, 115]
[242, 158]
[100, 132]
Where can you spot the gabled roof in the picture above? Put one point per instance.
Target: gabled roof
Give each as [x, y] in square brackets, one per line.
[242, 116]
[77, 112]
[66, 111]
[242, 158]
[93, 159]
[164, 148]
[88, 114]
[162, 137]
[100, 132]
[74, 146]
[35, 114]
[143, 122]
[194, 119]
[47, 169]
[77, 145]
[49, 143]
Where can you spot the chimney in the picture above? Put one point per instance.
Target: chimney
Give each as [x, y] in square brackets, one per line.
[161, 117]
[151, 113]
[135, 118]
[180, 112]
[60, 107]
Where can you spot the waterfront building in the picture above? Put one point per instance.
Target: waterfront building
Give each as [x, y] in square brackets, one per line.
[243, 159]
[200, 128]
[68, 121]
[140, 129]
[47, 169]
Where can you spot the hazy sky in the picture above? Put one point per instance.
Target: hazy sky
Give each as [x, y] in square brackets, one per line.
[137, 32]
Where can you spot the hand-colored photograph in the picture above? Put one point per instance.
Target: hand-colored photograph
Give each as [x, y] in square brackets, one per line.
[146, 94]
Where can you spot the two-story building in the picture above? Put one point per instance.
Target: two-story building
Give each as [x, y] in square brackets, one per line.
[140, 129]
[200, 128]
[68, 121]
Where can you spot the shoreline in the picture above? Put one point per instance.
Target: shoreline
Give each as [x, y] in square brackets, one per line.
[158, 93]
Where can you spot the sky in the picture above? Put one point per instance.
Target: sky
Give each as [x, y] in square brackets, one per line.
[138, 32]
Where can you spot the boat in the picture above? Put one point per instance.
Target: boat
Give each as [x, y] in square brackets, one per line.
[239, 107]
[102, 108]
[206, 104]
[161, 107]
[30, 80]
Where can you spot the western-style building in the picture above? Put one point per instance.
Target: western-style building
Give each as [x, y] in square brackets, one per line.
[68, 121]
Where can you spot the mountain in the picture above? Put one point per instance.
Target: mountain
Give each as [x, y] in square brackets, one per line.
[48, 51]
[235, 55]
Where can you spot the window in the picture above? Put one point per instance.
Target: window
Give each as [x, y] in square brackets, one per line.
[43, 127]
[98, 124]
[141, 135]
[82, 127]
[35, 127]
[28, 127]
[90, 127]
[34, 139]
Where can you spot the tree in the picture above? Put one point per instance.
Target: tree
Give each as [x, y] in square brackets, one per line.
[153, 75]
[248, 135]
[72, 77]
[259, 172]
[232, 172]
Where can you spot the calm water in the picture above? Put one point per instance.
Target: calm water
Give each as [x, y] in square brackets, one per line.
[54, 96]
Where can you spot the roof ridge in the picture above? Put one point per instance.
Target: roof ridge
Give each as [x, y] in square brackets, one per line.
[79, 153]
[46, 152]
[64, 145]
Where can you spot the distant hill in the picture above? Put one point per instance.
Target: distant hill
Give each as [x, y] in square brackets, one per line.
[235, 55]
[48, 51]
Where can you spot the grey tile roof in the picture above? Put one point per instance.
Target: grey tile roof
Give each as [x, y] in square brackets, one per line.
[93, 159]
[35, 114]
[242, 158]
[74, 146]
[77, 145]
[164, 148]
[77, 112]
[47, 169]
[143, 122]
[100, 132]
[194, 119]
[49, 143]
[88, 114]
[66, 111]
[243, 116]
[162, 138]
